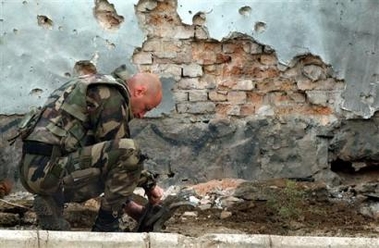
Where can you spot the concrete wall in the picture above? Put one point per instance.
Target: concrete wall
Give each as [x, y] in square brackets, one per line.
[253, 89]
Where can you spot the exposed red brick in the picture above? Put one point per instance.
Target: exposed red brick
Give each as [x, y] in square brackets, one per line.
[223, 109]
[212, 69]
[171, 46]
[268, 59]
[236, 97]
[227, 83]
[222, 58]
[251, 71]
[279, 99]
[229, 62]
[270, 73]
[271, 84]
[320, 110]
[235, 70]
[155, 19]
[254, 98]
[301, 109]
[217, 96]
[163, 13]
[163, 6]
[248, 109]
[207, 53]
[229, 47]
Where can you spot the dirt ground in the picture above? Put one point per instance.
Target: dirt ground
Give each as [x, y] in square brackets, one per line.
[279, 207]
[286, 208]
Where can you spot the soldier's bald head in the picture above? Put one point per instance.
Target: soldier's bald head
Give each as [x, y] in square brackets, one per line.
[146, 92]
[149, 80]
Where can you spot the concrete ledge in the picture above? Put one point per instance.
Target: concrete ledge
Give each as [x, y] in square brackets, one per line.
[44, 239]
[318, 242]
[56, 239]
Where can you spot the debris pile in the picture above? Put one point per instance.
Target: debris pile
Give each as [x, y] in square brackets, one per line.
[278, 206]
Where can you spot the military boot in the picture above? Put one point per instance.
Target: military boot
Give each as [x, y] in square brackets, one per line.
[50, 213]
[106, 221]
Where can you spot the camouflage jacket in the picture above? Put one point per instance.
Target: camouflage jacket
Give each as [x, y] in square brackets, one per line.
[73, 118]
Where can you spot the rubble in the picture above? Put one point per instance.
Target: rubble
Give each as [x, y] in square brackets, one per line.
[278, 206]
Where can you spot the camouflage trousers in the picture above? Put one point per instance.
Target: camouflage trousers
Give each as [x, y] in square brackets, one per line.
[110, 167]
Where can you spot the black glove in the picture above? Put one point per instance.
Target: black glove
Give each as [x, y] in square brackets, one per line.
[106, 222]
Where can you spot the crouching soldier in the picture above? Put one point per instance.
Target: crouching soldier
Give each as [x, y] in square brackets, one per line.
[78, 146]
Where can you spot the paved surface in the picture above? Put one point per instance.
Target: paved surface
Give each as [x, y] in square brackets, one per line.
[44, 239]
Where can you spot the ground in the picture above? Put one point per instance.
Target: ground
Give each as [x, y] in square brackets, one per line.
[280, 207]
[337, 220]
[286, 208]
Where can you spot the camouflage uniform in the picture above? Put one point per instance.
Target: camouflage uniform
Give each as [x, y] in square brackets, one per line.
[84, 125]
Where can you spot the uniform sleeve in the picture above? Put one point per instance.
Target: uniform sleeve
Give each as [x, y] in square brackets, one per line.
[147, 180]
[108, 113]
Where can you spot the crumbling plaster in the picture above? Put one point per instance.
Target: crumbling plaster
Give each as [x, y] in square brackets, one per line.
[35, 59]
[343, 33]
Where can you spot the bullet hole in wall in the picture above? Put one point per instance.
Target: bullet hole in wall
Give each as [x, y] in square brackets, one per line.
[36, 92]
[106, 15]
[15, 30]
[84, 67]
[110, 44]
[44, 21]
[245, 11]
[199, 18]
[260, 27]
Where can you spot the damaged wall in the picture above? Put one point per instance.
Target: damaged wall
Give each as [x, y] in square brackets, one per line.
[42, 40]
[343, 33]
[252, 89]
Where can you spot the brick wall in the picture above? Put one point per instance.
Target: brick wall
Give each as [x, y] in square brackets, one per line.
[235, 78]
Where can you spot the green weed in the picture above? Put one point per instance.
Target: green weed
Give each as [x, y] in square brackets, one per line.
[287, 202]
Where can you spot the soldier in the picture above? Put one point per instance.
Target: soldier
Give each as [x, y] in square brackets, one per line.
[80, 147]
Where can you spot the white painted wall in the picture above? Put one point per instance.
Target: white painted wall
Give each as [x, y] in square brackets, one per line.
[34, 60]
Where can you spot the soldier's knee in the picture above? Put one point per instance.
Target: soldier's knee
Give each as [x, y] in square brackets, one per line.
[45, 186]
[131, 158]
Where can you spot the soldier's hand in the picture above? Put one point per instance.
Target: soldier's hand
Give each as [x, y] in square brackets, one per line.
[155, 195]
